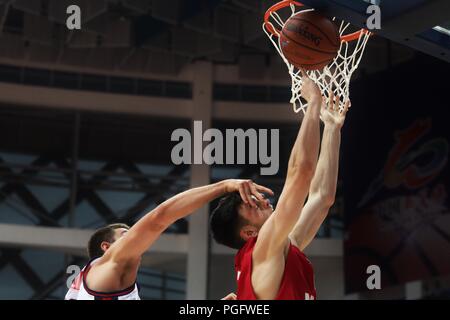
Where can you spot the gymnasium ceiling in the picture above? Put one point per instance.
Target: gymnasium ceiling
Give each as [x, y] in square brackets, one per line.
[158, 35]
[155, 36]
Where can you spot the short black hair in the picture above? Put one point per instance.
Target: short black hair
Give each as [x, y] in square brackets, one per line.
[100, 235]
[226, 222]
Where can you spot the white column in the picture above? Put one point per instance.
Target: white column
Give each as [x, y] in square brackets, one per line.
[198, 252]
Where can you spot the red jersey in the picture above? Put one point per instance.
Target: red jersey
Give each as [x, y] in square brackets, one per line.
[297, 282]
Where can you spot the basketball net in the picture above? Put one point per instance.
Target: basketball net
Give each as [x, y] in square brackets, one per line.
[337, 75]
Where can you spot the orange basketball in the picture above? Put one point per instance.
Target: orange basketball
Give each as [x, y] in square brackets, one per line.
[309, 40]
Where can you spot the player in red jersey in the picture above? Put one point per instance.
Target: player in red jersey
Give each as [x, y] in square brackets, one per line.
[270, 263]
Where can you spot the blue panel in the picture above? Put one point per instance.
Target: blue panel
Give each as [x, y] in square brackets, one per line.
[45, 263]
[13, 286]
[120, 201]
[15, 212]
[87, 217]
[50, 197]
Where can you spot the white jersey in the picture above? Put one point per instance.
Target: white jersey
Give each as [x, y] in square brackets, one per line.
[80, 291]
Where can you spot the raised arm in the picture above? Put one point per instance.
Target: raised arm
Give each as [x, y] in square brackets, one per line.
[323, 186]
[273, 235]
[147, 230]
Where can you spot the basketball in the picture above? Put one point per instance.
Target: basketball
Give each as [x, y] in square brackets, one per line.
[309, 40]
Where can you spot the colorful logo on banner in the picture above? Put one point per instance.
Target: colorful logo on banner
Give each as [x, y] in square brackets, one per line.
[403, 219]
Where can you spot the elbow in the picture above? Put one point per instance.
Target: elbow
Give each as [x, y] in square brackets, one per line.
[328, 199]
[161, 219]
[304, 170]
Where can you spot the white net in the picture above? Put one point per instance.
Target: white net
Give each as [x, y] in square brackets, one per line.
[336, 76]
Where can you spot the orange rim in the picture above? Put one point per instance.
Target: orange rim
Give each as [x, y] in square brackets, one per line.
[286, 3]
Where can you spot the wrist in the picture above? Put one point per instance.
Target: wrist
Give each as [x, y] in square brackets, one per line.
[332, 126]
[225, 186]
[315, 101]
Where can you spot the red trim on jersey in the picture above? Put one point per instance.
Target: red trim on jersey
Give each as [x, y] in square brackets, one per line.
[111, 294]
[76, 283]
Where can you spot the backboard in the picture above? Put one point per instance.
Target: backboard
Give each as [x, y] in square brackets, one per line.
[423, 25]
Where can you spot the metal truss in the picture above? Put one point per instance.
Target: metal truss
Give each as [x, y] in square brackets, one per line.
[88, 183]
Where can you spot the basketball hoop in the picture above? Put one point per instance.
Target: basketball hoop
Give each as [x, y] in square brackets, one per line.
[335, 76]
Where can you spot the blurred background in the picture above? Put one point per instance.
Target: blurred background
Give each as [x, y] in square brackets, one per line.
[86, 118]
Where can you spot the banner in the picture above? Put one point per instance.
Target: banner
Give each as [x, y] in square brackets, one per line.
[397, 180]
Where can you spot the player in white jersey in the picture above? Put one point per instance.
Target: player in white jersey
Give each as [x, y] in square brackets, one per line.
[115, 250]
[80, 291]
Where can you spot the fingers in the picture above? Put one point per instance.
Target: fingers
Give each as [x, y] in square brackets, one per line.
[346, 106]
[304, 74]
[263, 189]
[256, 194]
[256, 189]
[336, 103]
[251, 193]
[330, 103]
[248, 193]
[243, 194]
[231, 296]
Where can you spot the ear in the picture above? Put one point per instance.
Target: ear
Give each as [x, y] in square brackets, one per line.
[248, 232]
[105, 245]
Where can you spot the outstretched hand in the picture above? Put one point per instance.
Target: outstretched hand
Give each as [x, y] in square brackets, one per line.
[331, 114]
[310, 90]
[248, 190]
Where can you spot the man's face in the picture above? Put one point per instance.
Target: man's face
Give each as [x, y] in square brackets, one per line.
[119, 233]
[256, 216]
